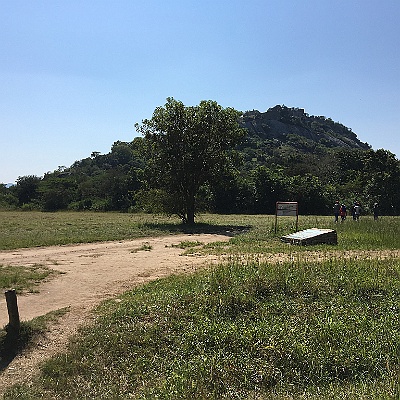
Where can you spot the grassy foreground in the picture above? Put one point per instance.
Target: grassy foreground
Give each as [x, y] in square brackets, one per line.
[248, 329]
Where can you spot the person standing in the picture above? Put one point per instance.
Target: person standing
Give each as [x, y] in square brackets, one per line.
[357, 211]
[343, 212]
[353, 212]
[336, 210]
[376, 211]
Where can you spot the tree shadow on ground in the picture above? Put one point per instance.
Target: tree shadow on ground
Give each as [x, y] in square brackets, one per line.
[200, 228]
[9, 345]
[13, 343]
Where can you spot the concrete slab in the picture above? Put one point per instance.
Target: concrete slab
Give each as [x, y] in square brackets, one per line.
[311, 236]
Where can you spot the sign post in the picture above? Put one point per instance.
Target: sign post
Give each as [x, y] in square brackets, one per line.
[287, 209]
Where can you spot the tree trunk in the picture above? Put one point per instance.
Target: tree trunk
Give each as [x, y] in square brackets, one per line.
[190, 210]
[190, 218]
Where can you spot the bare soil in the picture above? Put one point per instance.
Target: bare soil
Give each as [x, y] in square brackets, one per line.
[90, 273]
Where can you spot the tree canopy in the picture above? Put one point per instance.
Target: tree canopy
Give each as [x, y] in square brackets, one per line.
[186, 147]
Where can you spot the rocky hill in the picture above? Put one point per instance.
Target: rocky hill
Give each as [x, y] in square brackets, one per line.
[293, 126]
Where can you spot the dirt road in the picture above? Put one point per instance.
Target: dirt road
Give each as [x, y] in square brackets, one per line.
[90, 273]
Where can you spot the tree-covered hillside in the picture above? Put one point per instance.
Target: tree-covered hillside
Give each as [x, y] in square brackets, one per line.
[286, 155]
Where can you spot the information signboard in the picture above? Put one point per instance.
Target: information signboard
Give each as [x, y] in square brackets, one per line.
[287, 209]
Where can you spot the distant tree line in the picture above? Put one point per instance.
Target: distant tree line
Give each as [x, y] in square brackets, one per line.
[222, 167]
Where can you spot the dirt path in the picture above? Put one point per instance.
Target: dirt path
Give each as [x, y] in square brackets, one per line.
[91, 273]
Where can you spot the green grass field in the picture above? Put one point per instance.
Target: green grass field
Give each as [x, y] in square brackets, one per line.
[245, 329]
[31, 229]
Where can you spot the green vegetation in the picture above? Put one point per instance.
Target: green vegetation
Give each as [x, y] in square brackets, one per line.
[186, 148]
[144, 247]
[188, 244]
[298, 329]
[29, 229]
[286, 155]
[21, 229]
[290, 327]
[23, 279]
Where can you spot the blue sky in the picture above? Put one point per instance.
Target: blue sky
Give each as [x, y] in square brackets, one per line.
[75, 76]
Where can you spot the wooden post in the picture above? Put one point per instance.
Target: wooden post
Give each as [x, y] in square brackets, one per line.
[13, 314]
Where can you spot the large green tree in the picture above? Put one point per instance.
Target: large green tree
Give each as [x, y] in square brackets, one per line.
[187, 147]
[27, 189]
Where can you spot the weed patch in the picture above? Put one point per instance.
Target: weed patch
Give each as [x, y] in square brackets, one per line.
[144, 247]
[188, 244]
[23, 279]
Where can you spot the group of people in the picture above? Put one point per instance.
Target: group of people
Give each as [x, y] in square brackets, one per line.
[340, 210]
